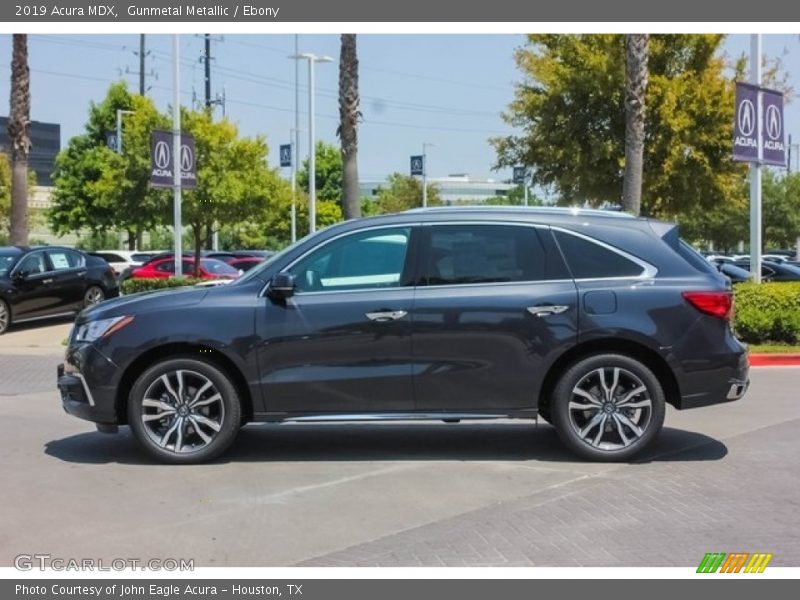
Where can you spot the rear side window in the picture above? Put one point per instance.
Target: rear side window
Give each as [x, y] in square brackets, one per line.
[459, 254]
[63, 260]
[694, 258]
[589, 260]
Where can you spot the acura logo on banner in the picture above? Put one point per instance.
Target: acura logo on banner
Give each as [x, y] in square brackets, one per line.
[161, 161]
[417, 165]
[753, 143]
[286, 155]
[774, 152]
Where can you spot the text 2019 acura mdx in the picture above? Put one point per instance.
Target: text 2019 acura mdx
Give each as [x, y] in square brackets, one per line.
[592, 320]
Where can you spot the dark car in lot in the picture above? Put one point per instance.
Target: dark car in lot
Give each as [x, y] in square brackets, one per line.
[50, 281]
[774, 271]
[592, 320]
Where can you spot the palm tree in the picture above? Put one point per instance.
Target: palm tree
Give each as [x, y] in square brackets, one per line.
[348, 125]
[636, 50]
[18, 123]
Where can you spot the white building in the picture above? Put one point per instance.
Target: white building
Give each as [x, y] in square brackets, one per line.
[453, 189]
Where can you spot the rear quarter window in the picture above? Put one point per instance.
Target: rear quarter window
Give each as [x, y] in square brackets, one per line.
[694, 258]
[589, 260]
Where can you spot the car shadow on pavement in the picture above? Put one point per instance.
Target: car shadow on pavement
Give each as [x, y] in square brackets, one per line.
[387, 442]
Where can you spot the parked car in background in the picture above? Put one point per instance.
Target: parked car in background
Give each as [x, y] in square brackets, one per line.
[773, 271]
[245, 263]
[591, 320]
[123, 259]
[734, 273]
[50, 281]
[164, 268]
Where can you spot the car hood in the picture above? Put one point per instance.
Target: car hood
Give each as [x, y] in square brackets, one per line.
[142, 302]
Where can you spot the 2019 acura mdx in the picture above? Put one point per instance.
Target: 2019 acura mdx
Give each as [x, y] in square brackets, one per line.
[591, 320]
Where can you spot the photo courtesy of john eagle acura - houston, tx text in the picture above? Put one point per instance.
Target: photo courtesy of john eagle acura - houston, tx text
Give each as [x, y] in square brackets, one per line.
[590, 320]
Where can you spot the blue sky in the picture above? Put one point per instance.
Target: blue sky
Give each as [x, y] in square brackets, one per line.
[448, 90]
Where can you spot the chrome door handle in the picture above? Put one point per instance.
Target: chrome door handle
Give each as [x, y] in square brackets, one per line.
[547, 310]
[386, 315]
[46, 281]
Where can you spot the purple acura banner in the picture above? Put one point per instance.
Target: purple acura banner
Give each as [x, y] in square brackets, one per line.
[745, 126]
[772, 130]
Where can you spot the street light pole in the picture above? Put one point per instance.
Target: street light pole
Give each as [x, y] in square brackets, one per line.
[176, 152]
[120, 112]
[296, 131]
[425, 174]
[312, 172]
[755, 167]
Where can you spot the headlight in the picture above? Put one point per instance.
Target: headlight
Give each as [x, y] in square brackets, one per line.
[93, 330]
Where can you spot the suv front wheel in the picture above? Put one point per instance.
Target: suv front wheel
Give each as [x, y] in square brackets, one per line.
[608, 407]
[184, 410]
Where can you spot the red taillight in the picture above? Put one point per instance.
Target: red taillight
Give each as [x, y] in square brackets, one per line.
[716, 304]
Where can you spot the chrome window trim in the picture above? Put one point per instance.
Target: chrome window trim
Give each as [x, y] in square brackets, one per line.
[648, 271]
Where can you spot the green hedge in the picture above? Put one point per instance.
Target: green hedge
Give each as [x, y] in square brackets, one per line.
[132, 286]
[769, 312]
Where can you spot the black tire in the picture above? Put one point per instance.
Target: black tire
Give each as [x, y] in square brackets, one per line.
[224, 412]
[5, 316]
[615, 419]
[94, 294]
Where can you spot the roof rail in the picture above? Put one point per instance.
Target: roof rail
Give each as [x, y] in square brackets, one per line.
[553, 210]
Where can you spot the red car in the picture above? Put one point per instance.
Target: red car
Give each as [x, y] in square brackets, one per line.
[210, 268]
[245, 263]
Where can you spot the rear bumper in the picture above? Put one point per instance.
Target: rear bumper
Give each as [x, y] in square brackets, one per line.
[722, 384]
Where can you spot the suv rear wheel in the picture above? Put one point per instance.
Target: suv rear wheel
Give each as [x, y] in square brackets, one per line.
[608, 407]
[184, 410]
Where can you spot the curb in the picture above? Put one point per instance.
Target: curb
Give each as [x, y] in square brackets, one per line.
[775, 360]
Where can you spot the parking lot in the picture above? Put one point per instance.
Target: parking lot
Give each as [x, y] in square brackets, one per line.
[724, 478]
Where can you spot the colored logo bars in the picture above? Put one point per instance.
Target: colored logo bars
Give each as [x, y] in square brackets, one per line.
[161, 162]
[736, 562]
[758, 132]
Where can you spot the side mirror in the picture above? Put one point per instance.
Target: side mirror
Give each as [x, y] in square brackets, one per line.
[282, 286]
[19, 276]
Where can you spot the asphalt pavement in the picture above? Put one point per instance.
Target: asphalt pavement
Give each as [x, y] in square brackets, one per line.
[503, 493]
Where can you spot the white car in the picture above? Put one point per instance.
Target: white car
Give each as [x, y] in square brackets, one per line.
[122, 259]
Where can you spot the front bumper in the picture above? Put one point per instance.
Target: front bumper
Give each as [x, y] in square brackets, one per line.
[83, 383]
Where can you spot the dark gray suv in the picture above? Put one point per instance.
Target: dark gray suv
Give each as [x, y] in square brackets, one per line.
[592, 320]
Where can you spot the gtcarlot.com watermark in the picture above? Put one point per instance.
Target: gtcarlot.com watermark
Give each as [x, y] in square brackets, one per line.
[43, 562]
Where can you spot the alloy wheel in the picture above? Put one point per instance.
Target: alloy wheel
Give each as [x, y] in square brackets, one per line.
[610, 408]
[4, 317]
[182, 411]
[94, 295]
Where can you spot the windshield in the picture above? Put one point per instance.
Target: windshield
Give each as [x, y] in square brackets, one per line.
[252, 273]
[6, 262]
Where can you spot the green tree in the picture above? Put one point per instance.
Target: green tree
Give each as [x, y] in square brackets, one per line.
[514, 197]
[96, 188]
[722, 226]
[234, 182]
[5, 195]
[328, 169]
[781, 208]
[571, 111]
[403, 192]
